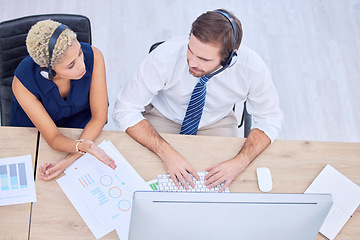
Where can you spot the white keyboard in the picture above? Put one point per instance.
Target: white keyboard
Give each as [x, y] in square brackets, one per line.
[166, 184]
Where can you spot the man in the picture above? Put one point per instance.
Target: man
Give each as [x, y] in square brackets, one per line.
[166, 83]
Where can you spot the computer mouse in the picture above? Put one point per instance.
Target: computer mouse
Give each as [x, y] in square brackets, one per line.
[264, 179]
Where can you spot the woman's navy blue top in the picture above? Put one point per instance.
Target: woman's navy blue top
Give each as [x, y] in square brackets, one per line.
[74, 112]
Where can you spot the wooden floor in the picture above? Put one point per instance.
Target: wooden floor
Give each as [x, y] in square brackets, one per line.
[312, 48]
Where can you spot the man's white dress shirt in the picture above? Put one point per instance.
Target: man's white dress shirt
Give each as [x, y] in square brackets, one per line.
[163, 79]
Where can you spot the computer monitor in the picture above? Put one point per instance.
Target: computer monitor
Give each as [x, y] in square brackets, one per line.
[245, 216]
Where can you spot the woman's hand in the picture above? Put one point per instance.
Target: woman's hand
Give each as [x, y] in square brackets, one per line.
[90, 147]
[50, 170]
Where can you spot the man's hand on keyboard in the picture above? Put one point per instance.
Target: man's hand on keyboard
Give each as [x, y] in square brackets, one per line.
[223, 172]
[179, 170]
[166, 184]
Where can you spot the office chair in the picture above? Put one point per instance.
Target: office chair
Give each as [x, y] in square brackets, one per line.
[13, 50]
[246, 118]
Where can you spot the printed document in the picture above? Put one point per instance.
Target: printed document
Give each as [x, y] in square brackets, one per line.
[17, 180]
[346, 195]
[103, 196]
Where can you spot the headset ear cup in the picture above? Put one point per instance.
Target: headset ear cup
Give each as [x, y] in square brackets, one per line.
[224, 62]
[229, 62]
[46, 73]
[233, 60]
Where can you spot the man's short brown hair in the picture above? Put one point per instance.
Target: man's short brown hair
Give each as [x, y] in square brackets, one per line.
[213, 27]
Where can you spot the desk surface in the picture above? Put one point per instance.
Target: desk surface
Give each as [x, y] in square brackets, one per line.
[14, 219]
[293, 164]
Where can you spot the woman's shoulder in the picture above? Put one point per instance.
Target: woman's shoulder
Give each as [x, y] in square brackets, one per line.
[26, 64]
[96, 53]
[87, 49]
[26, 70]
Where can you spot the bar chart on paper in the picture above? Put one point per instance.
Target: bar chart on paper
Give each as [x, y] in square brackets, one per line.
[100, 196]
[13, 176]
[16, 180]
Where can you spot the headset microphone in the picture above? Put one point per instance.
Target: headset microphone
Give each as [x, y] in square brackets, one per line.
[48, 72]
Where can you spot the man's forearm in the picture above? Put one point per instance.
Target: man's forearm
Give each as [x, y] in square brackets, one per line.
[255, 144]
[146, 135]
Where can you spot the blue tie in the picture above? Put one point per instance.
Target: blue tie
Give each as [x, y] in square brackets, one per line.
[194, 111]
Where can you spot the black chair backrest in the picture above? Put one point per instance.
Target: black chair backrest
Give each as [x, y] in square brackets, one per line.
[155, 45]
[246, 119]
[13, 50]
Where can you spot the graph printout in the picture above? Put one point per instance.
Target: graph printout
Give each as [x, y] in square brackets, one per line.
[16, 180]
[102, 196]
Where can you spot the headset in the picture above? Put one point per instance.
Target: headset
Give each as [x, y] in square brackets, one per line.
[231, 59]
[48, 72]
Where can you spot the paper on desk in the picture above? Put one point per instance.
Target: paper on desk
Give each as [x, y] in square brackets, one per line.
[155, 187]
[102, 196]
[346, 196]
[16, 180]
[86, 159]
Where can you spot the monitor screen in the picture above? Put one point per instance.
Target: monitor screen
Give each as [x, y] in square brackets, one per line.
[245, 216]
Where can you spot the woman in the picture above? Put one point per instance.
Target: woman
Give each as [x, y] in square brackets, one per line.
[73, 95]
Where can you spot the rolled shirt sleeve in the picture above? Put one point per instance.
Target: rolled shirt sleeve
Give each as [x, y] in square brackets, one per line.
[263, 104]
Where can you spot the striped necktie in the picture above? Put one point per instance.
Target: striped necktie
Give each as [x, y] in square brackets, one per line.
[194, 111]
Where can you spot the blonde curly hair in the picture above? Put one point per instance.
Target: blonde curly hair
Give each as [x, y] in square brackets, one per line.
[37, 42]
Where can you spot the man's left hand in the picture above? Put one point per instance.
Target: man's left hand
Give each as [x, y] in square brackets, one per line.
[225, 172]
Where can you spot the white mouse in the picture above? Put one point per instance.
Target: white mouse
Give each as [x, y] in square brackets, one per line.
[264, 179]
